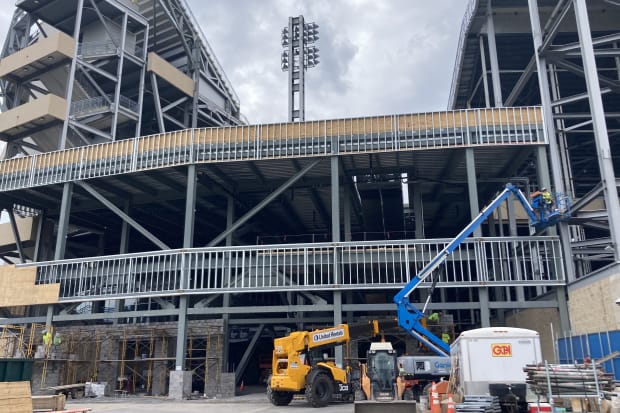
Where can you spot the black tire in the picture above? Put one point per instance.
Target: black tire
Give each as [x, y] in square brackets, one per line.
[279, 398]
[319, 391]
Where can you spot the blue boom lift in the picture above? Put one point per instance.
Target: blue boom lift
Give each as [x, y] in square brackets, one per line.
[541, 216]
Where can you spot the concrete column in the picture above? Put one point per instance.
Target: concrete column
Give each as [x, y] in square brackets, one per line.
[180, 385]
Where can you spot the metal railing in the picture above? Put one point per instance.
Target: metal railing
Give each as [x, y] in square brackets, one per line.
[502, 261]
[472, 5]
[102, 48]
[425, 131]
[101, 103]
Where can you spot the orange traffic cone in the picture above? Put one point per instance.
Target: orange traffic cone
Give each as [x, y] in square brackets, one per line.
[451, 405]
[434, 400]
[241, 386]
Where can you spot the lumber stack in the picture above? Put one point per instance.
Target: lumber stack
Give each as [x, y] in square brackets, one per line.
[15, 397]
[46, 403]
[568, 379]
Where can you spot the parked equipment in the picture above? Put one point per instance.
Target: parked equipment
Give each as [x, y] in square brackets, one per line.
[299, 365]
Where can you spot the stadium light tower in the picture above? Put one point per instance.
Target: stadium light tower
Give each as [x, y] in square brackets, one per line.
[298, 55]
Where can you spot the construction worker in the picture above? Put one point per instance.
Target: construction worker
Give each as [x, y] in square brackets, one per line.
[47, 337]
[445, 337]
[433, 318]
[547, 198]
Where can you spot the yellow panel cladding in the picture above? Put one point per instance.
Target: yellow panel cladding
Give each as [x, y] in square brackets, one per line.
[17, 287]
[26, 227]
[592, 307]
[58, 46]
[15, 397]
[46, 106]
[170, 74]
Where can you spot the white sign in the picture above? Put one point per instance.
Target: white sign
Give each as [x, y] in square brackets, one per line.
[328, 335]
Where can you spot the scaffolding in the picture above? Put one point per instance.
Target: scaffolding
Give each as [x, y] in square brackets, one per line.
[204, 359]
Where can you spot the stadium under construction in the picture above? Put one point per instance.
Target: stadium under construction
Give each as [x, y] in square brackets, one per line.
[162, 242]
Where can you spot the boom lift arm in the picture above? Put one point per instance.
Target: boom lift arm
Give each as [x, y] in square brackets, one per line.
[409, 316]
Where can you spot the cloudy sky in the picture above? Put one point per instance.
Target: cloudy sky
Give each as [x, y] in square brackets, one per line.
[377, 57]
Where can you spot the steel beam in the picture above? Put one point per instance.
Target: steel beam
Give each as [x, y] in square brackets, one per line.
[18, 241]
[249, 350]
[119, 76]
[521, 82]
[263, 203]
[122, 215]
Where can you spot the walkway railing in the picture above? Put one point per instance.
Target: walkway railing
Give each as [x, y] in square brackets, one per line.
[530, 261]
[426, 131]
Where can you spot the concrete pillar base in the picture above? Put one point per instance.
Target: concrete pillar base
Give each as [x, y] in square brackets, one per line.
[180, 385]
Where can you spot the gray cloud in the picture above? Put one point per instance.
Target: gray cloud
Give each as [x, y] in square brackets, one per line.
[377, 57]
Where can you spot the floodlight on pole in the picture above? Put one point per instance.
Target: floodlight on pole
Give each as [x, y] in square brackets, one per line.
[298, 55]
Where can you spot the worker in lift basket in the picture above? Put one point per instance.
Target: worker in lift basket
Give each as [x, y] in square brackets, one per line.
[542, 201]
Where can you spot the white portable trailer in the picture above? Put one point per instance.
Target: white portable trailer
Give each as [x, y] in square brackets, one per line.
[491, 361]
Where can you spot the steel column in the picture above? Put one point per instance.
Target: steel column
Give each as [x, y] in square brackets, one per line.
[69, 95]
[472, 189]
[555, 161]
[485, 81]
[230, 216]
[335, 200]
[495, 76]
[485, 312]
[600, 127]
[61, 236]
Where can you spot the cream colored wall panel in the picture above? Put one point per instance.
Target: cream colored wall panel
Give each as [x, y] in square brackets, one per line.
[26, 227]
[170, 74]
[47, 51]
[43, 110]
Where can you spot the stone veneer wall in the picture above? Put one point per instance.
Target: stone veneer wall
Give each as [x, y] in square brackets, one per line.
[541, 320]
[592, 306]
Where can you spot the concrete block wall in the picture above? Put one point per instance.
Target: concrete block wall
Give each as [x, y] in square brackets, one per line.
[541, 320]
[227, 385]
[53, 376]
[180, 385]
[108, 371]
[592, 306]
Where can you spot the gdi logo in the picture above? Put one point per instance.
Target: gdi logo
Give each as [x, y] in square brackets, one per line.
[501, 350]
